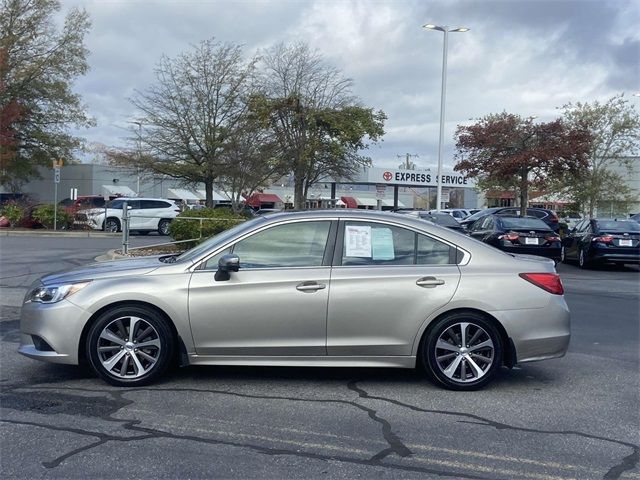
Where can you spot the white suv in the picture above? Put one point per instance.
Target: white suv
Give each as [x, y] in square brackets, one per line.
[145, 215]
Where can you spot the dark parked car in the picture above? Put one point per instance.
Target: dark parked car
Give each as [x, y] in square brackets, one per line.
[603, 240]
[442, 219]
[527, 235]
[547, 216]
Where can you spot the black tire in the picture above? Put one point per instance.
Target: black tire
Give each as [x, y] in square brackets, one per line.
[163, 226]
[583, 260]
[133, 366]
[433, 357]
[112, 225]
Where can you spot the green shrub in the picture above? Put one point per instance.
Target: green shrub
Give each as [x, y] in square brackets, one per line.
[44, 215]
[218, 220]
[14, 212]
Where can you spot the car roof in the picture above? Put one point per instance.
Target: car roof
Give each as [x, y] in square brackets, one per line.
[143, 198]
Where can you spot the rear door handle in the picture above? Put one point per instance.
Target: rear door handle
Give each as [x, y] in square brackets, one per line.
[429, 282]
[310, 286]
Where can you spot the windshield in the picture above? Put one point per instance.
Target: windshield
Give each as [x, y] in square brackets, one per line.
[523, 222]
[479, 214]
[212, 242]
[618, 226]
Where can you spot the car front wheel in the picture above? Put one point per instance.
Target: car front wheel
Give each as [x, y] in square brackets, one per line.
[462, 351]
[130, 346]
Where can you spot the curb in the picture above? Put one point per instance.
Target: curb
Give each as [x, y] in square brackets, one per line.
[110, 255]
[52, 233]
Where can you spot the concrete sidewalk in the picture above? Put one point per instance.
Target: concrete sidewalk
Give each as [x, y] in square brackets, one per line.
[43, 232]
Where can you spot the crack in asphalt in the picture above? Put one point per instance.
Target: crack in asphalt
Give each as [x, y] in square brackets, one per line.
[627, 463]
[153, 433]
[396, 446]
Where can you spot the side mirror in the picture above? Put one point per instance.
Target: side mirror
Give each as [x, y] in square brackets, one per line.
[227, 264]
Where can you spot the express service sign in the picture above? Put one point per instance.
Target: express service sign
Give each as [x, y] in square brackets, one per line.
[417, 178]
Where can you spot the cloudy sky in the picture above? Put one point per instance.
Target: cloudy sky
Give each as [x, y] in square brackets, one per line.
[524, 56]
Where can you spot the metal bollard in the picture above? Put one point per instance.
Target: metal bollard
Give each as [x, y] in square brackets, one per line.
[125, 228]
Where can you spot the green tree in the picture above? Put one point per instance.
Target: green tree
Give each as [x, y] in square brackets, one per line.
[614, 127]
[188, 116]
[511, 150]
[318, 125]
[38, 63]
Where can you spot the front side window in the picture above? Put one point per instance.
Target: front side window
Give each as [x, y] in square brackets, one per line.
[300, 244]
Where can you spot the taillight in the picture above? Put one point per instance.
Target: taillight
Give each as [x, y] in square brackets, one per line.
[552, 239]
[546, 281]
[509, 236]
[603, 239]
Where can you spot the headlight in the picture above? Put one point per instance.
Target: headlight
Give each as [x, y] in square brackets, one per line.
[54, 293]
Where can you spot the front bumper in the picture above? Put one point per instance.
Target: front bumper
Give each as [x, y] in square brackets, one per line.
[538, 333]
[59, 325]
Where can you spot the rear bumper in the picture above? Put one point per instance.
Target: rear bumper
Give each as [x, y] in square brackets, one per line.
[538, 333]
[548, 252]
[615, 255]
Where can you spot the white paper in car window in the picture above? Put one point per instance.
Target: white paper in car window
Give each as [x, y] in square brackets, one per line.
[357, 241]
[382, 244]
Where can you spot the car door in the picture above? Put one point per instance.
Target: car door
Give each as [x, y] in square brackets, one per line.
[135, 214]
[572, 241]
[276, 304]
[385, 282]
[482, 228]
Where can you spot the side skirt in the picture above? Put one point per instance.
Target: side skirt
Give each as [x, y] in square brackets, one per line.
[323, 361]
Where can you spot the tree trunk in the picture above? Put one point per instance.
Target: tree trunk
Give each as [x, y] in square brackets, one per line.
[208, 190]
[299, 199]
[524, 192]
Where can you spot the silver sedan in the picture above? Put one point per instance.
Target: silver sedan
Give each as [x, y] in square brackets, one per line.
[321, 288]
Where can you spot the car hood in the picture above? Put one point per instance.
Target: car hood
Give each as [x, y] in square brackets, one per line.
[113, 268]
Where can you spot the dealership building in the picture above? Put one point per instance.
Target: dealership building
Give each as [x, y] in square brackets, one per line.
[370, 188]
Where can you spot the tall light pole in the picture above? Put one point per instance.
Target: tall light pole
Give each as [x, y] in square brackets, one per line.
[444, 29]
[139, 124]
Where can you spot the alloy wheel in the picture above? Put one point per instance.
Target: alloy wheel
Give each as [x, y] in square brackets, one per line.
[128, 347]
[111, 226]
[464, 352]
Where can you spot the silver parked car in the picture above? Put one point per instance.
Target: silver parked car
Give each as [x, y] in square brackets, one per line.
[318, 288]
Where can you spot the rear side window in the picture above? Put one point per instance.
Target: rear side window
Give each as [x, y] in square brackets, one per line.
[537, 213]
[379, 244]
[148, 204]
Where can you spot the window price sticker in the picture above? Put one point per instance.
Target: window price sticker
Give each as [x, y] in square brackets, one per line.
[357, 241]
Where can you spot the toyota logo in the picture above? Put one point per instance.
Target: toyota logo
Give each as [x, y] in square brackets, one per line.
[387, 176]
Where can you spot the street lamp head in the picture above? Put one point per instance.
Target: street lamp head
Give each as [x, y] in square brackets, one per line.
[431, 26]
[460, 29]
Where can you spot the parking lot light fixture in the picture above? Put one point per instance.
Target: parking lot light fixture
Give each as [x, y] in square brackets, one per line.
[446, 30]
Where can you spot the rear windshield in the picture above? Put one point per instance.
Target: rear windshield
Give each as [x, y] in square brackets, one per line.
[618, 226]
[442, 219]
[523, 222]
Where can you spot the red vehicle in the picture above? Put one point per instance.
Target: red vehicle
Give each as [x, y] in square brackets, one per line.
[83, 202]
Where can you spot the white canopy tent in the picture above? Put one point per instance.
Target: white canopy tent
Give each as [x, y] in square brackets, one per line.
[118, 190]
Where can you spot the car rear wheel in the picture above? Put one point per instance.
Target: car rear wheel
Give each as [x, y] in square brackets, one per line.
[163, 226]
[462, 351]
[112, 225]
[130, 346]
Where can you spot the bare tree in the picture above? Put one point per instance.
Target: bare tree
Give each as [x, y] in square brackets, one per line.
[188, 115]
[315, 120]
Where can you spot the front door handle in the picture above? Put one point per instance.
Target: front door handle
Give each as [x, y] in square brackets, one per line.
[310, 286]
[429, 282]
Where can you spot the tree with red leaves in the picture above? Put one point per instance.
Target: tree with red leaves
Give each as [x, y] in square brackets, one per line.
[507, 149]
[38, 63]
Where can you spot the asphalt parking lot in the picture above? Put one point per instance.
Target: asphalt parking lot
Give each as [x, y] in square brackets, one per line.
[574, 417]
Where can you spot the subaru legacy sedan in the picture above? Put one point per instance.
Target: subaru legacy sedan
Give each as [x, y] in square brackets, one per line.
[329, 288]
